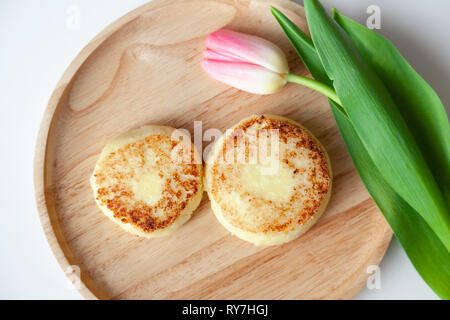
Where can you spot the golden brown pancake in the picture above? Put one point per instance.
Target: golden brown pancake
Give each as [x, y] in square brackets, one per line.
[141, 184]
[268, 202]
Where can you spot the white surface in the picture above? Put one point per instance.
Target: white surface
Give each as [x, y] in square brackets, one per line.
[37, 46]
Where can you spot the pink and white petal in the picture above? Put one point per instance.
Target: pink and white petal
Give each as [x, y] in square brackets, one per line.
[249, 48]
[244, 76]
[212, 55]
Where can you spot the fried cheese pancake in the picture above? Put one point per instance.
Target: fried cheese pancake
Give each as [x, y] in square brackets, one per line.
[139, 183]
[268, 202]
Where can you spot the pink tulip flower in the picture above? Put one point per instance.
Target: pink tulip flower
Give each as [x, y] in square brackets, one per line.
[252, 64]
[245, 62]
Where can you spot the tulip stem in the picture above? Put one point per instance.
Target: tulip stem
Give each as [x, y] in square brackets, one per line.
[314, 84]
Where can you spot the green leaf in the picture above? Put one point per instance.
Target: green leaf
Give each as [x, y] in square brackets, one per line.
[305, 49]
[425, 250]
[418, 104]
[377, 121]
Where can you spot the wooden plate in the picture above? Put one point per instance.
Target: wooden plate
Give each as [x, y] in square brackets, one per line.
[145, 69]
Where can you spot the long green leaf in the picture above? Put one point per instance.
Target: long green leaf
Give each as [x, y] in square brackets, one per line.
[425, 250]
[305, 49]
[423, 247]
[377, 121]
[417, 102]
[304, 46]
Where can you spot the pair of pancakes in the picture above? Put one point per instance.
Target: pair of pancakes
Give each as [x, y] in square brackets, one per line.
[268, 180]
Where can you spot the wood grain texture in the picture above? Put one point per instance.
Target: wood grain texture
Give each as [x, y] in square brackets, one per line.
[145, 69]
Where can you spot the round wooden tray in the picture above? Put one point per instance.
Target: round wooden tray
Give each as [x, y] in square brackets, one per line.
[145, 69]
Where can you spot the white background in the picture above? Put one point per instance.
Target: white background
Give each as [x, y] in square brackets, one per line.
[35, 48]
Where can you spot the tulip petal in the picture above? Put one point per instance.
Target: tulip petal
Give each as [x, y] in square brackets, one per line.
[212, 55]
[248, 48]
[244, 76]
